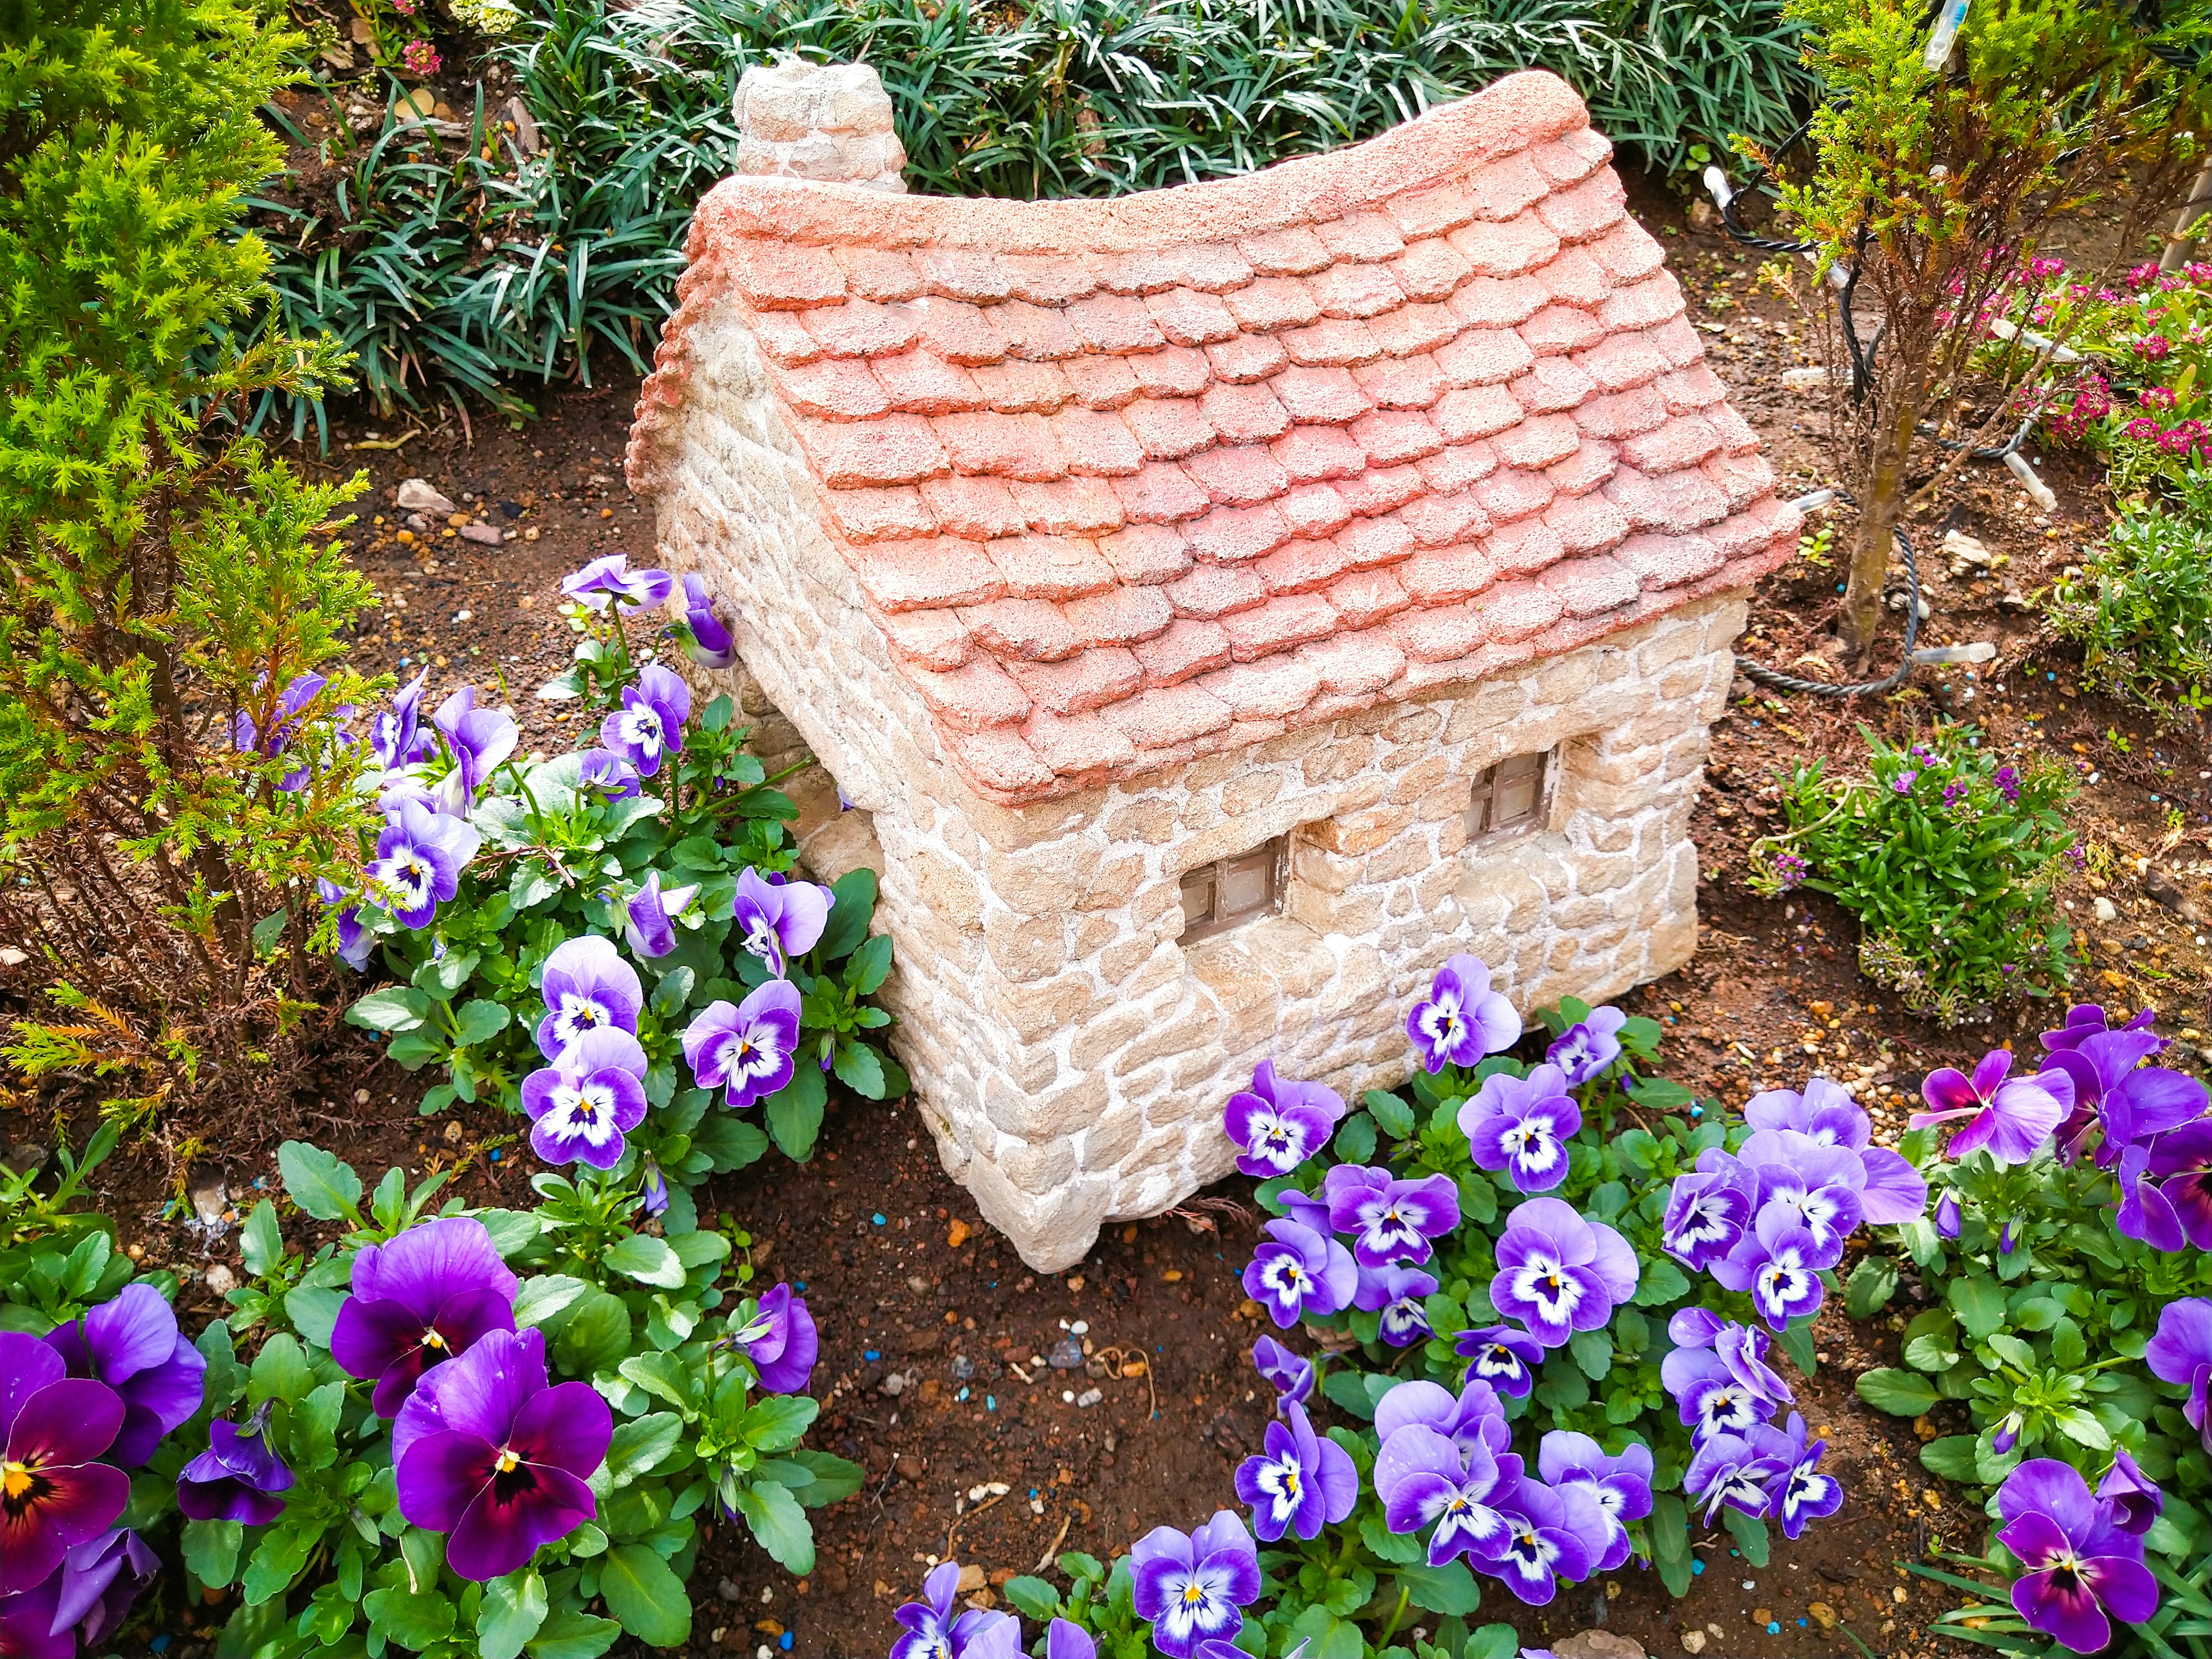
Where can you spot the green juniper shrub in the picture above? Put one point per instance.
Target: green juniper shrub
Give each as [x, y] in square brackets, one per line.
[171, 596]
[2140, 607]
[1947, 854]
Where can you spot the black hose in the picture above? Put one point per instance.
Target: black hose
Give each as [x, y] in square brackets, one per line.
[1763, 675]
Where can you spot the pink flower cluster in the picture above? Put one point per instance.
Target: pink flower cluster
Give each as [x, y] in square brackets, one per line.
[420, 57]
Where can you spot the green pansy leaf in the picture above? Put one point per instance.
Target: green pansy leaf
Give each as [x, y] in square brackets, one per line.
[393, 1008]
[647, 1260]
[1871, 1284]
[1900, 1393]
[513, 1610]
[319, 1183]
[779, 1525]
[646, 1596]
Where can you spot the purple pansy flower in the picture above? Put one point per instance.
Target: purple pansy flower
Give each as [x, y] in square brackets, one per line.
[1588, 1047]
[1066, 1640]
[2134, 1498]
[132, 1345]
[2006, 1435]
[1801, 1492]
[1736, 1471]
[1549, 1536]
[101, 1580]
[2113, 1088]
[238, 1477]
[1462, 1018]
[2081, 1569]
[1278, 1123]
[54, 1495]
[2165, 1189]
[1305, 1209]
[2181, 1353]
[1559, 1273]
[649, 917]
[1473, 1419]
[481, 739]
[2013, 1117]
[301, 690]
[1709, 1212]
[1779, 1262]
[1816, 1186]
[396, 736]
[710, 645]
[1423, 1476]
[585, 1102]
[1522, 1125]
[746, 1048]
[1618, 1485]
[27, 1623]
[1191, 1586]
[587, 987]
[605, 580]
[488, 1454]
[1295, 1271]
[1892, 1193]
[609, 773]
[420, 855]
[425, 1296]
[781, 1342]
[1397, 1294]
[649, 725]
[1290, 1374]
[653, 1196]
[1301, 1483]
[1712, 1397]
[1501, 1357]
[1392, 1219]
[354, 941]
[778, 920]
[2086, 1019]
[934, 1631]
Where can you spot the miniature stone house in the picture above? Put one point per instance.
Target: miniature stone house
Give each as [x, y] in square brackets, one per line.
[1218, 606]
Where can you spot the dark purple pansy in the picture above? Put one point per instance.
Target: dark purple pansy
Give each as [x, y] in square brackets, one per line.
[1279, 1123]
[710, 645]
[586, 985]
[486, 1453]
[1191, 1586]
[101, 1580]
[1588, 1046]
[648, 727]
[777, 920]
[1522, 1126]
[2114, 1090]
[1462, 1018]
[1300, 1483]
[2181, 1353]
[779, 1338]
[1390, 1219]
[1948, 1219]
[420, 855]
[1505, 1359]
[1559, 1273]
[583, 1105]
[2165, 1189]
[1709, 1211]
[649, 916]
[1296, 1271]
[2012, 1117]
[2134, 1498]
[132, 1344]
[238, 1477]
[1398, 1294]
[1290, 1374]
[746, 1048]
[1618, 1484]
[2080, 1569]
[427, 1295]
[27, 1623]
[2086, 1019]
[54, 1495]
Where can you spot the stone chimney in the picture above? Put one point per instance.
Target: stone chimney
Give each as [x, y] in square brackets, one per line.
[829, 121]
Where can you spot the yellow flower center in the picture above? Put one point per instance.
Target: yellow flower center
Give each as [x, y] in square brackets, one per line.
[16, 1478]
[508, 1461]
[432, 1340]
[1193, 1594]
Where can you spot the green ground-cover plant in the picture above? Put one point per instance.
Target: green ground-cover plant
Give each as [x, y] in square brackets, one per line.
[1064, 98]
[1947, 853]
[2140, 607]
[171, 595]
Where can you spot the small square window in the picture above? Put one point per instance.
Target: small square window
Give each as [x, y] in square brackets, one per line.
[1510, 798]
[1231, 891]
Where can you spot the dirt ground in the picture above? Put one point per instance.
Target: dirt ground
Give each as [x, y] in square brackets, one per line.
[915, 1287]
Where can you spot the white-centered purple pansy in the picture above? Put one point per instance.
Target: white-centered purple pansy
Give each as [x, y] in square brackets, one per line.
[1398, 1294]
[1290, 1374]
[1892, 1193]
[1295, 1271]
[1801, 1492]
[588, 1100]
[1737, 1470]
[1300, 1483]
[1390, 1219]
[1462, 1019]
[746, 1048]
[932, 1628]
[420, 855]
[648, 727]
[2012, 1117]
[1192, 1586]
[1425, 1479]
[396, 736]
[1559, 1273]
[1551, 1534]
[1588, 1046]
[1522, 1126]
[1279, 1123]
[609, 579]
[1502, 1357]
[777, 920]
[587, 986]
[1779, 1263]
[481, 739]
[649, 916]
[710, 645]
[1709, 1210]
[1473, 1417]
[1816, 1185]
[1618, 1484]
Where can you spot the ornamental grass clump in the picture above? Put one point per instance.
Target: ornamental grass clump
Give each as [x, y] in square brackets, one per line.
[1948, 855]
[2066, 1309]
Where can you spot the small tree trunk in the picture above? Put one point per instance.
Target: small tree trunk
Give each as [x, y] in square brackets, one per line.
[1870, 552]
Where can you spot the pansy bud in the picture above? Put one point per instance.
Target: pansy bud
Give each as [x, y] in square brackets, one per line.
[2005, 1240]
[2007, 1436]
[1946, 1216]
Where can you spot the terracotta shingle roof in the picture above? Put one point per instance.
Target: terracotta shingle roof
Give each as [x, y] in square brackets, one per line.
[1128, 481]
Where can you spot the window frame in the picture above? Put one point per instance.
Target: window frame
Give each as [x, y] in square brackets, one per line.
[1275, 853]
[1482, 799]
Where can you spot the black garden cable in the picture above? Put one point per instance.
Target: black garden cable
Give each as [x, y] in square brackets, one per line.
[1763, 675]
